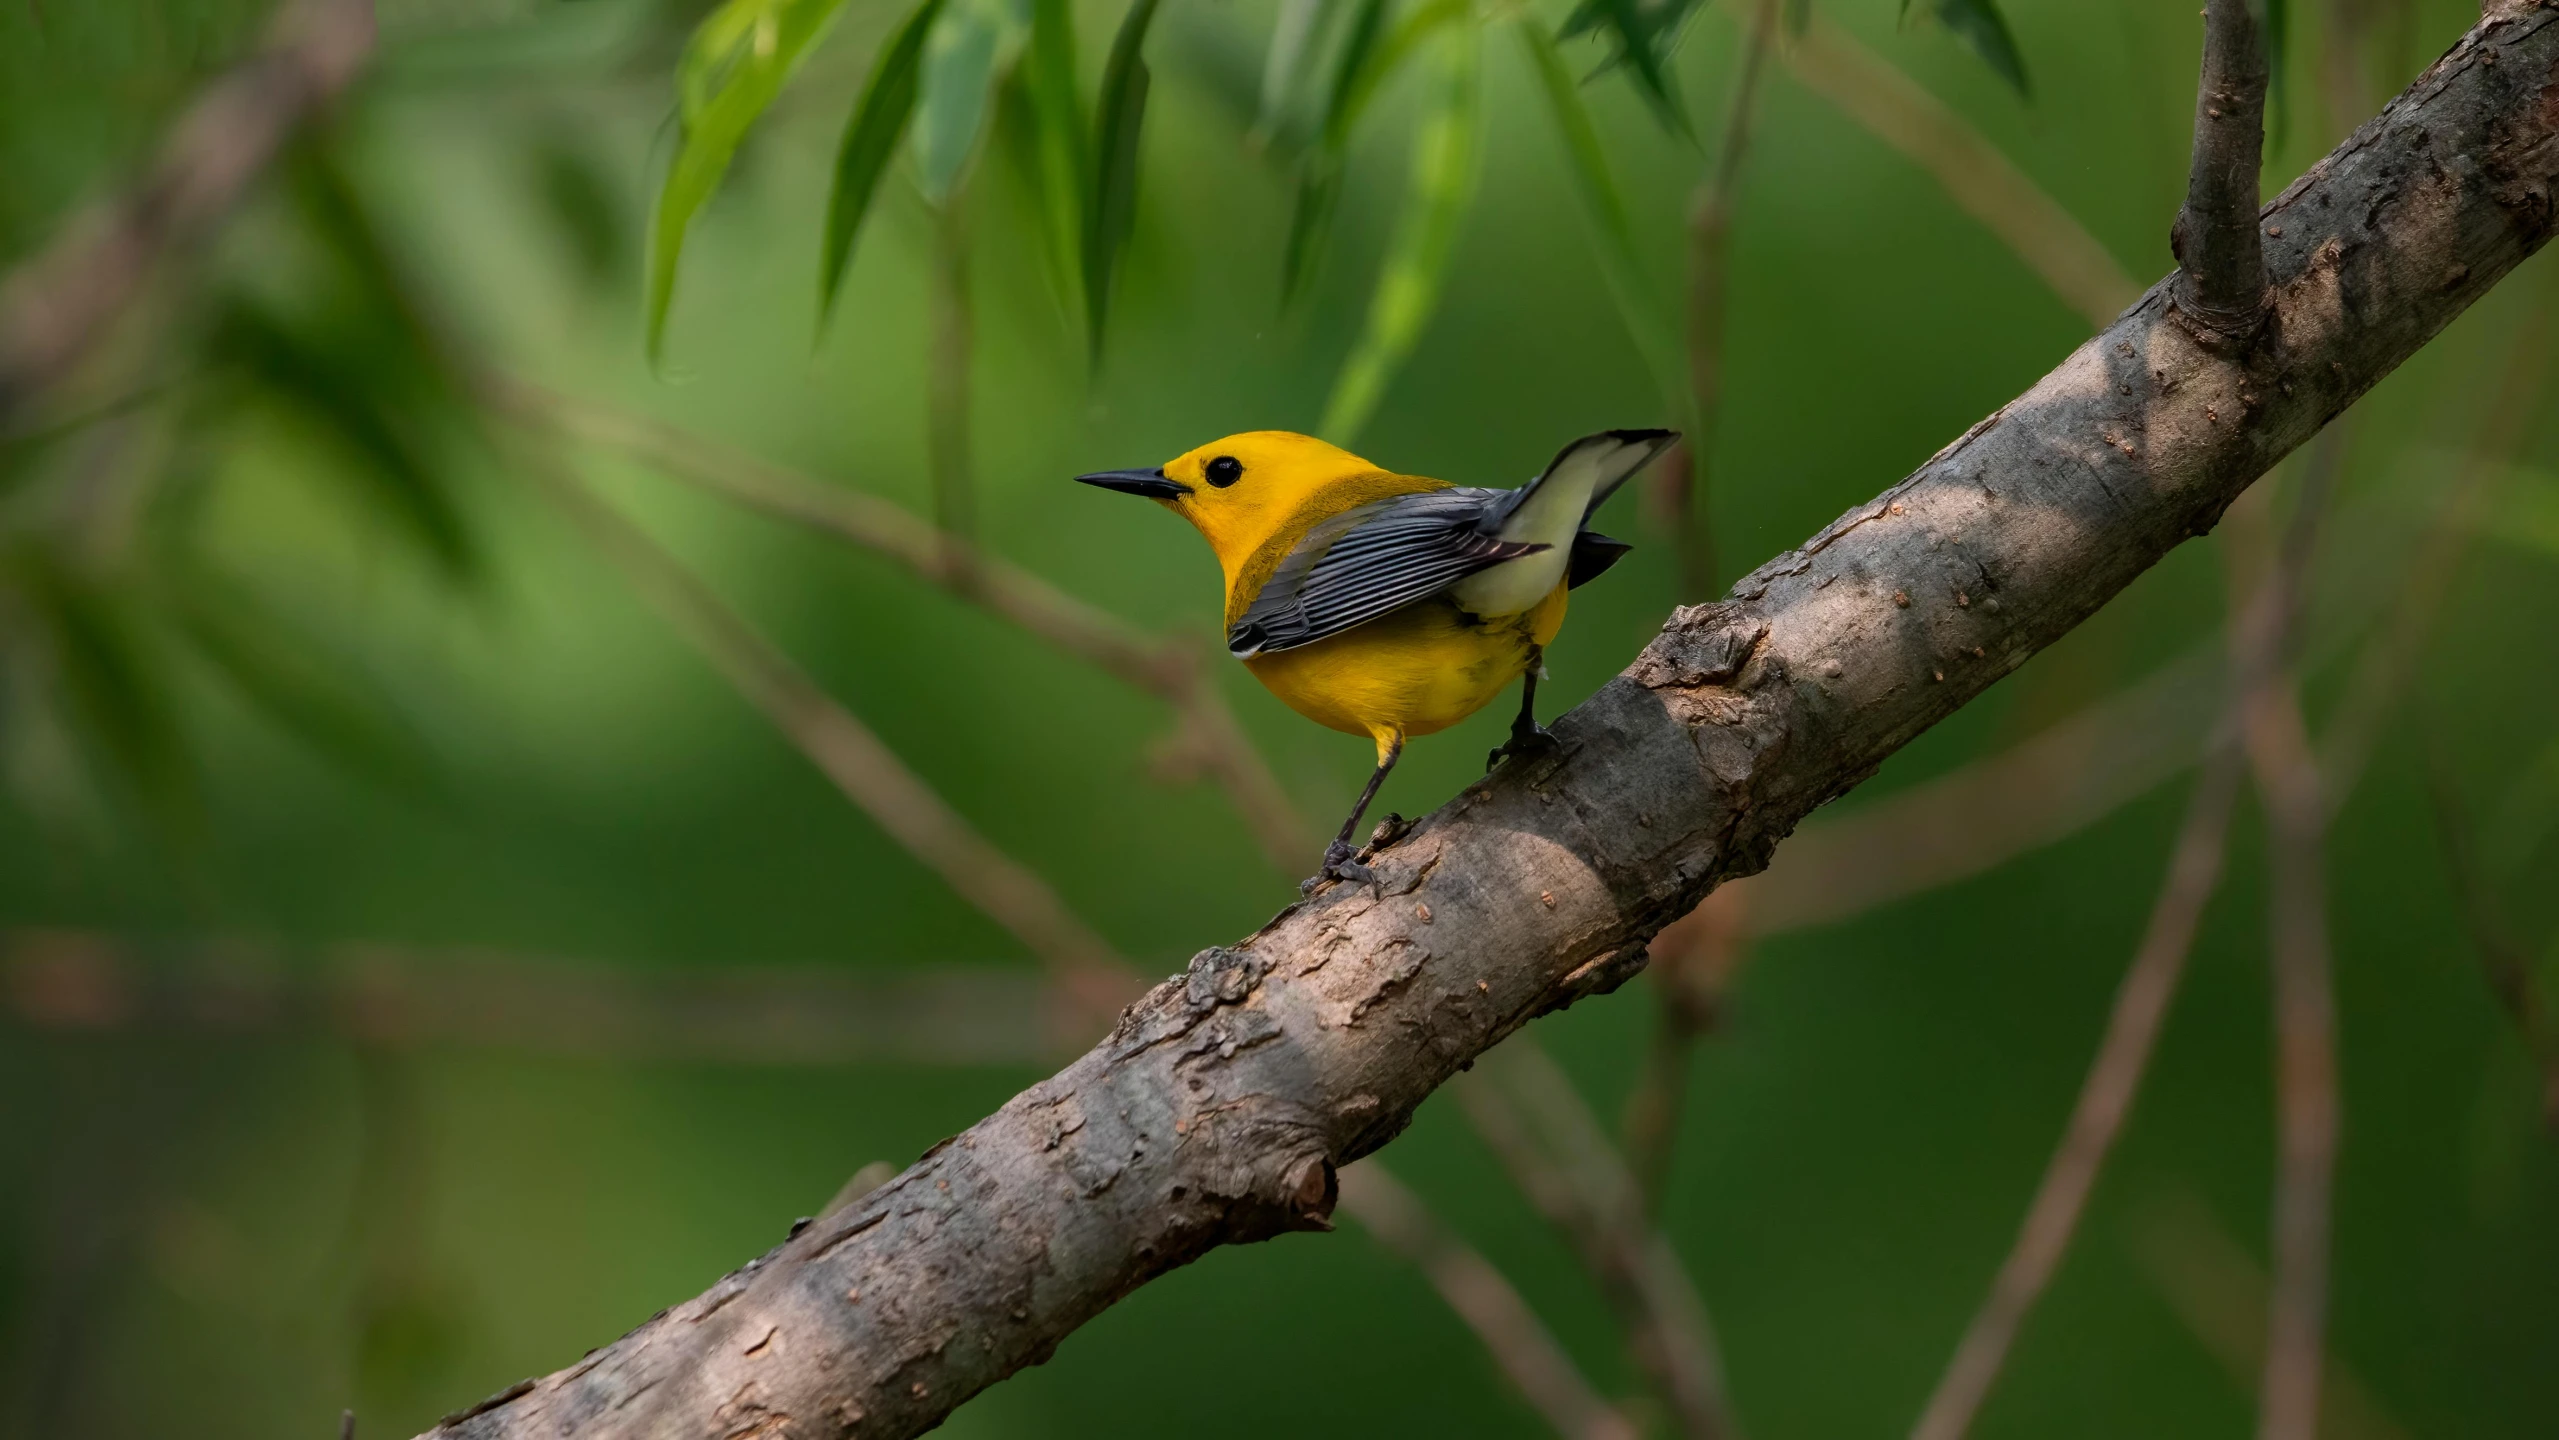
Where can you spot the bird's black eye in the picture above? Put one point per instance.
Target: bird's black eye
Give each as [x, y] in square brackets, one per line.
[1225, 470]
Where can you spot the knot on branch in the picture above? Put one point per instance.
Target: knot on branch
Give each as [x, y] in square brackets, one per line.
[1702, 645]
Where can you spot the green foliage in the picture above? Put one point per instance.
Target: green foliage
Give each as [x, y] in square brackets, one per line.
[1984, 31]
[292, 675]
[1611, 232]
[1117, 119]
[733, 66]
[1290, 65]
[966, 54]
[870, 139]
[1059, 147]
[1367, 57]
[1319, 172]
[1446, 152]
[100, 658]
[1642, 35]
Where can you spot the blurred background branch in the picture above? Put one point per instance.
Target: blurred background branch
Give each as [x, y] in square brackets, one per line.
[346, 327]
[55, 306]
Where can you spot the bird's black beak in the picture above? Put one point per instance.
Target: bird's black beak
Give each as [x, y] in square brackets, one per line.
[1149, 483]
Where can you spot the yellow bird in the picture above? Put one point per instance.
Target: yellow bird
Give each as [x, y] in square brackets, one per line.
[1392, 605]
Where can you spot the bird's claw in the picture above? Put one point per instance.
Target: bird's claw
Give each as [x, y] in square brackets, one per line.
[1527, 741]
[1338, 865]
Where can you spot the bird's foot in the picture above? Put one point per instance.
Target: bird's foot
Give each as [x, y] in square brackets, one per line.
[1338, 865]
[1528, 742]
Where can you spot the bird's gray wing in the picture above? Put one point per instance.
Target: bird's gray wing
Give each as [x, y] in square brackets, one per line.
[1365, 562]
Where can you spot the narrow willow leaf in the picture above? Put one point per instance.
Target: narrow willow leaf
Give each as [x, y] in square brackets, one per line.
[1985, 32]
[870, 139]
[1058, 118]
[1446, 149]
[341, 393]
[1612, 234]
[1368, 56]
[1319, 189]
[966, 51]
[117, 697]
[1643, 33]
[294, 678]
[1389, 54]
[1287, 68]
[735, 63]
[1367, 23]
[1120, 115]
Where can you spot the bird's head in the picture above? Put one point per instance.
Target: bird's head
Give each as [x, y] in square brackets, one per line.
[1240, 491]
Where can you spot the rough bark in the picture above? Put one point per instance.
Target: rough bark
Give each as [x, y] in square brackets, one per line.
[1217, 1110]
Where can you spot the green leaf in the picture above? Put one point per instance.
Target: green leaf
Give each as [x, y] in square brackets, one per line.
[1319, 190]
[1983, 30]
[733, 66]
[1799, 16]
[1120, 115]
[965, 53]
[108, 676]
[870, 139]
[1369, 56]
[1644, 33]
[1350, 63]
[1612, 234]
[1446, 149]
[1063, 167]
[1288, 68]
[289, 674]
[339, 392]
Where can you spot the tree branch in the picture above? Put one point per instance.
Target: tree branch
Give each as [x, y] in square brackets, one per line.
[2306, 1101]
[1162, 667]
[1691, 488]
[1219, 1107]
[1525, 1108]
[870, 774]
[2221, 280]
[1982, 181]
[55, 306]
[2265, 613]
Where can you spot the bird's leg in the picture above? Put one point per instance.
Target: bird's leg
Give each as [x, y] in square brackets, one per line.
[1338, 864]
[1527, 736]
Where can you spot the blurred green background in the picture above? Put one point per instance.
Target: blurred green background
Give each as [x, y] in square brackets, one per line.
[303, 671]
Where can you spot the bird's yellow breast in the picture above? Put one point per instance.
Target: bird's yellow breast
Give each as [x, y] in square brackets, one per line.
[1412, 672]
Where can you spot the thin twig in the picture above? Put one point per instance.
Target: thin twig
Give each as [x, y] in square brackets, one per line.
[2390, 661]
[2503, 959]
[2221, 259]
[1694, 959]
[1710, 234]
[1094, 977]
[57, 305]
[2288, 782]
[1519, 1342]
[1975, 174]
[2264, 614]
[378, 993]
[1165, 668]
[947, 390]
[2217, 1289]
[1528, 1112]
[2105, 1099]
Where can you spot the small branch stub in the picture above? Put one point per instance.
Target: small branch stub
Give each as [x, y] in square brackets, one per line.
[2221, 259]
